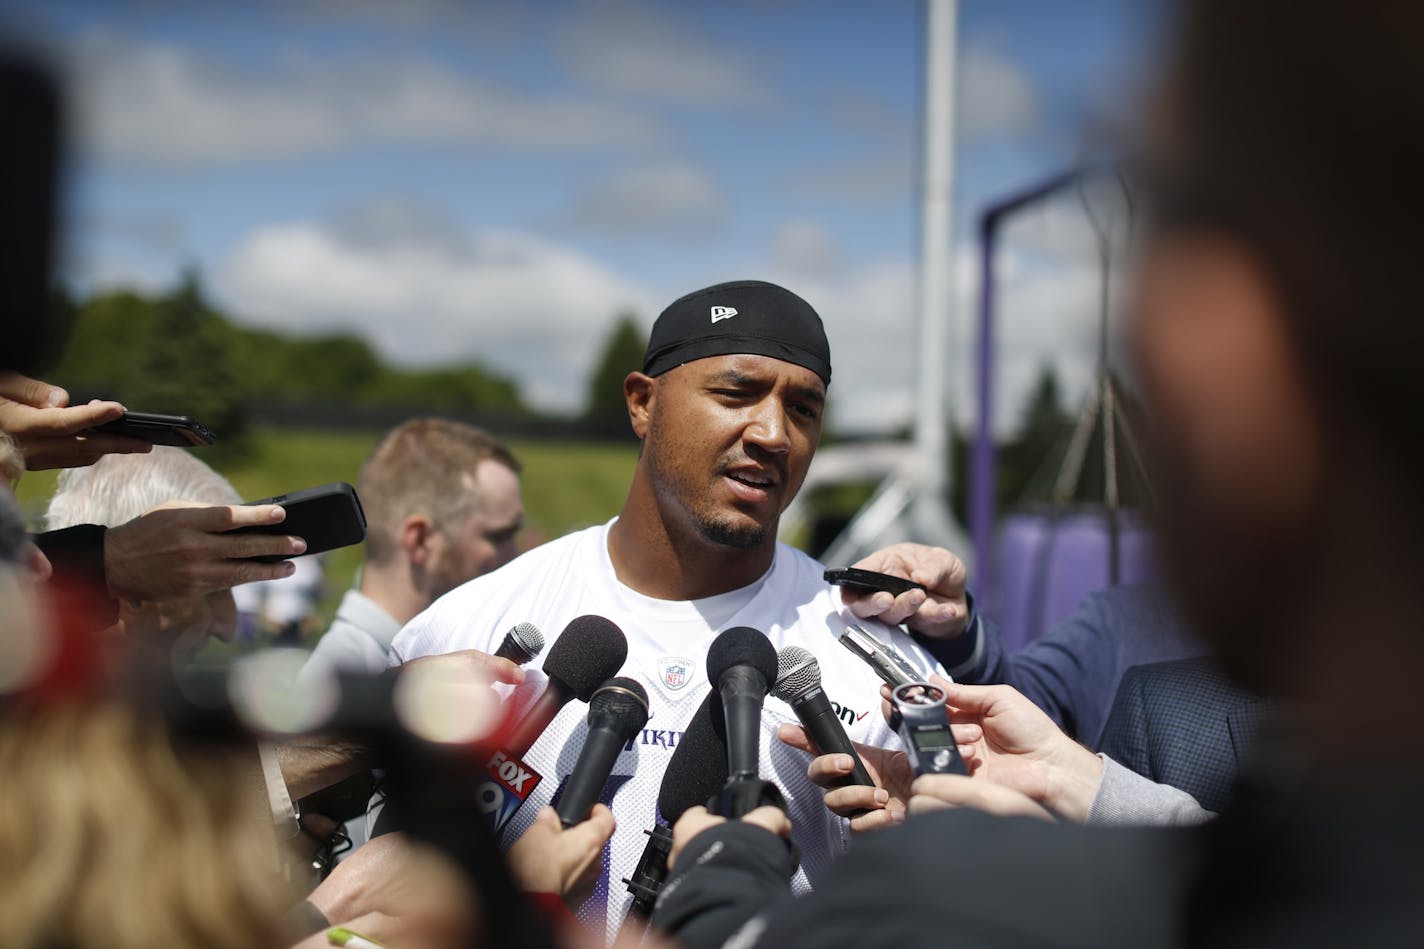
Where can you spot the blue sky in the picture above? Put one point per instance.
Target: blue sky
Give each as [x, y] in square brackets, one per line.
[494, 181]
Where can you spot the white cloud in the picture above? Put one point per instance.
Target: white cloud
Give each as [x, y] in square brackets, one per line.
[515, 303]
[673, 199]
[152, 104]
[995, 98]
[1047, 315]
[639, 50]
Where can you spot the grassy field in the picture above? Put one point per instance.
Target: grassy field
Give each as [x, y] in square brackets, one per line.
[566, 485]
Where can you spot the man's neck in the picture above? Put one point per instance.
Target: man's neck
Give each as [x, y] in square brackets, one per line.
[659, 560]
[391, 590]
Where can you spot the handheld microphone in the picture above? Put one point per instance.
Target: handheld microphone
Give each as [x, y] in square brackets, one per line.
[521, 644]
[590, 651]
[695, 773]
[742, 665]
[798, 684]
[616, 712]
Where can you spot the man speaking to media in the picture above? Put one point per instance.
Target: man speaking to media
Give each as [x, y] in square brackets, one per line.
[728, 407]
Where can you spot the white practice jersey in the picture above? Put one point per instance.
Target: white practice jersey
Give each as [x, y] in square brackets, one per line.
[667, 648]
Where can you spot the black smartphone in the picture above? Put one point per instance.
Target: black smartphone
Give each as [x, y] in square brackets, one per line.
[326, 517]
[868, 581]
[180, 431]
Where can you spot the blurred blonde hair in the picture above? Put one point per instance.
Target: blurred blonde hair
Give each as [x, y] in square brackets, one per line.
[113, 836]
[118, 488]
[12, 461]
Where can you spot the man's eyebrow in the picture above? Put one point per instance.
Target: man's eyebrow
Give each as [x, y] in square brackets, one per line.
[731, 377]
[809, 393]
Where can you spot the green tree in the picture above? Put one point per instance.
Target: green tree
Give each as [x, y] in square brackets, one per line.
[622, 353]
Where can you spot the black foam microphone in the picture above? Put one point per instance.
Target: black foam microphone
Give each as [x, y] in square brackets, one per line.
[588, 653]
[695, 773]
[521, 644]
[616, 712]
[742, 665]
[798, 684]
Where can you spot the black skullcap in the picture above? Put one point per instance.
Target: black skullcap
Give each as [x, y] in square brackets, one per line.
[742, 317]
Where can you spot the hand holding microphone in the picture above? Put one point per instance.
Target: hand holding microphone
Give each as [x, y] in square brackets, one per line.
[798, 684]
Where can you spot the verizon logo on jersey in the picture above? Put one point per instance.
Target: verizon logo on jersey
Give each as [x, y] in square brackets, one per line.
[512, 781]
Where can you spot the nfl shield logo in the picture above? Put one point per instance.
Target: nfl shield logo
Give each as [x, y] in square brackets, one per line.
[676, 671]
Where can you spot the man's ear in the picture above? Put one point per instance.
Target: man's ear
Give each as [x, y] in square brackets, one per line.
[638, 393]
[416, 533]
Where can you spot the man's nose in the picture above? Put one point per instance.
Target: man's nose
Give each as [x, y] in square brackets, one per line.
[767, 428]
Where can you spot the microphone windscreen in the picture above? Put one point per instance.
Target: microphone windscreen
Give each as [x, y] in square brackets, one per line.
[625, 700]
[797, 672]
[528, 637]
[698, 767]
[741, 646]
[590, 651]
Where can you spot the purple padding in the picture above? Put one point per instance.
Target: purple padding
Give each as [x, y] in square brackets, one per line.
[1018, 571]
[1046, 566]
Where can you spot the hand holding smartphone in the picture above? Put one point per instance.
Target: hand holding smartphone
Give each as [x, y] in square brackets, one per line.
[326, 517]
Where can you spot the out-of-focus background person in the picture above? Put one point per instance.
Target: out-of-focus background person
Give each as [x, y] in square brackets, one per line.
[442, 506]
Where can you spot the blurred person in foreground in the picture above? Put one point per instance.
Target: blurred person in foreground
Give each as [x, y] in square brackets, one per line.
[442, 506]
[1273, 331]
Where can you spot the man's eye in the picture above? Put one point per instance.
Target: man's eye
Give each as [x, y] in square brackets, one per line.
[809, 412]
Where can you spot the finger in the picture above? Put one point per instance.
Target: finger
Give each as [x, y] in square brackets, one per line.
[221, 518]
[770, 818]
[243, 546]
[73, 420]
[503, 670]
[967, 733]
[954, 790]
[795, 736]
[33, 392]
[852, 799]
[598, 827]
[972, 698]
[892, 814]
[825, 770]
[902, 607]
[224, 575]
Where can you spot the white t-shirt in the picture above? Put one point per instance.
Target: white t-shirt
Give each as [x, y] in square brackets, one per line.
[667, 646]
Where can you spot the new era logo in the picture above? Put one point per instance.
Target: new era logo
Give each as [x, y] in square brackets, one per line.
[720, 313]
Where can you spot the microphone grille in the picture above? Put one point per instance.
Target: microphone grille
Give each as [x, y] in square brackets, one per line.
[590, 650]
[797, 672]
[741, 645]
[528, 638]
[623, 698]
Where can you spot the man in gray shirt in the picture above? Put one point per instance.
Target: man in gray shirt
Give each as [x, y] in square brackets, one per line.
[442, 506]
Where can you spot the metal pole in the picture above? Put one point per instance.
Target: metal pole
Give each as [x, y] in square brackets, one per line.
[931, 519]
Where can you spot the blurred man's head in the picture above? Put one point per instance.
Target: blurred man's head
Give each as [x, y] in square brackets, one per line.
[118, 488]
[442, 505]
[1276, 325]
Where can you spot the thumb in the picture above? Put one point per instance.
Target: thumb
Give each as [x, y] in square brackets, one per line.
[971, 698]
[595, 831]
[33, 392]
